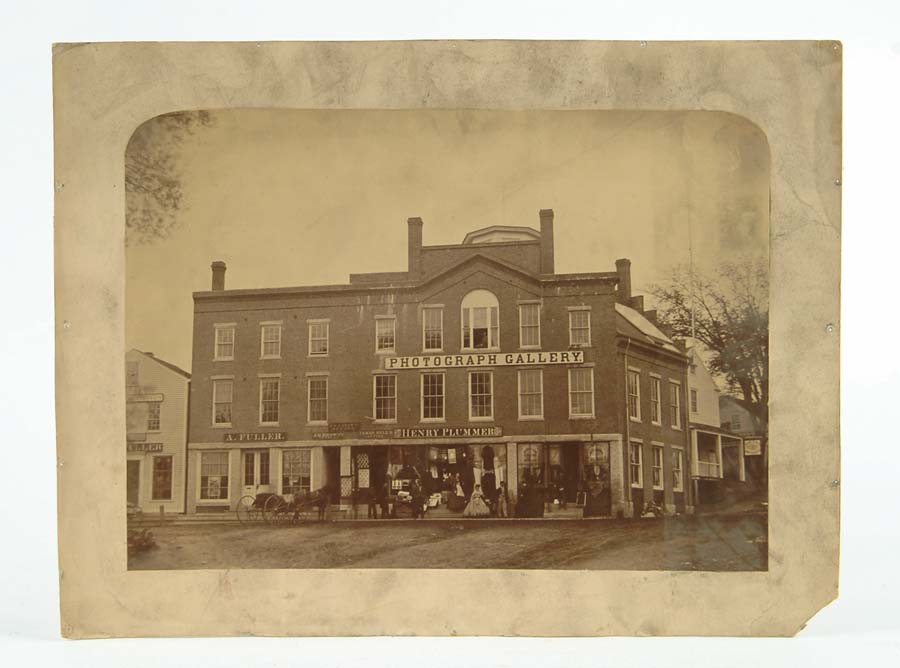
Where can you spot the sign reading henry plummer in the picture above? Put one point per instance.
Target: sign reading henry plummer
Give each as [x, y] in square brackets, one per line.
[484, 359]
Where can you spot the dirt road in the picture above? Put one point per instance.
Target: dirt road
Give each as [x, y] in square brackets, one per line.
[716, 543]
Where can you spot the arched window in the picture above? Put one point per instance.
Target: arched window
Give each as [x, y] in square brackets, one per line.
[480, 320]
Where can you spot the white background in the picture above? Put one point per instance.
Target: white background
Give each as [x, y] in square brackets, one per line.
[862, 626]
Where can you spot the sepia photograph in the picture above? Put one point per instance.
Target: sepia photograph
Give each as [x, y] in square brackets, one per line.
[447, 339]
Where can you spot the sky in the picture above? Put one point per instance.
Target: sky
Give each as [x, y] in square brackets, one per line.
[305, 197]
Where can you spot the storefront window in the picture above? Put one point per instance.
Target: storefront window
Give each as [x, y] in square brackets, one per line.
[531, 463]
[295, 471]
[162, 478]
[214, 475]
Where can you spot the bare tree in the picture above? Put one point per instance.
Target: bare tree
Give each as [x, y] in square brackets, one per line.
[154, 191]
[728, 313]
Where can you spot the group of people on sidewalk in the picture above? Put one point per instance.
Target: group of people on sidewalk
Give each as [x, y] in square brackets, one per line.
[475, 504]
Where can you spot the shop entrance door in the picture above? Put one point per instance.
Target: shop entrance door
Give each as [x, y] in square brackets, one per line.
[133, 481]
[571, 473]
[488, 476]
[333, 474]
[256, 472]
[378, 467]
[731, 467]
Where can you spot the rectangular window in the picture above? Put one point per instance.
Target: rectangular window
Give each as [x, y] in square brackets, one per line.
[385, 397]
[581, 392]
[735, 422]
[481, 395]
[162, 478]
[675, 405]
[269, 395]
[270, 338]
[317, 410]
[214, 475]
[579, 328]
[481, 327]
[531, 393]
[224, 342]
[678, 470]
[654, 400]
[385, 329]
[318, 338]
[153, 411]
[634, 395]
[432, 396]
[295, 471]
[636, 466]
[433, 328]
[223, 396]
[657, 470]
[529, 325]
[693, 400]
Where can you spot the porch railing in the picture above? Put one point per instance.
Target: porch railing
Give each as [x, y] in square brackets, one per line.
[708, 469]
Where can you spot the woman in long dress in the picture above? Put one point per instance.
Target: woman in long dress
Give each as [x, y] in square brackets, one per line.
[476, 506]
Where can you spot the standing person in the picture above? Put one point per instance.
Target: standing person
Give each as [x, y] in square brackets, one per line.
[457, 500]
[322, 502]
[502, 501]
[476, 506]
[418, 499]
[373, 504]
[386, 497]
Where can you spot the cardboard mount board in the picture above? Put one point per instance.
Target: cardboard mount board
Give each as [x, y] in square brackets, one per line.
[790, 90]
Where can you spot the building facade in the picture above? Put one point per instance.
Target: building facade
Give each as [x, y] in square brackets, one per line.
[717, 453]
[738, 420]
[156, 415]
[479, 360]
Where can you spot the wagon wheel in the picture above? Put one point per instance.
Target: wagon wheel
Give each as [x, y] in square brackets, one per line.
[247, 510]
[273, 511]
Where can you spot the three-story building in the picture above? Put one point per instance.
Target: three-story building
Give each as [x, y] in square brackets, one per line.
[479, 360]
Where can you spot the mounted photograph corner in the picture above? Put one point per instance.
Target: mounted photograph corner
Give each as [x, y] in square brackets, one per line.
[447, 340]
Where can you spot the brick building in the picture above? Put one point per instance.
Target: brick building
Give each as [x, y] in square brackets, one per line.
[156, 416]
[478, 360]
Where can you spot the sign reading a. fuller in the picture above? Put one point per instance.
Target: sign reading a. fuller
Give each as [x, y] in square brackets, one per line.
[484, 359]
[249, 437]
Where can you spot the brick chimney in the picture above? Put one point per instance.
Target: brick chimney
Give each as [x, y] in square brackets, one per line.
[414, 247]
[623, 268]
[546, 241]
[218, 275]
